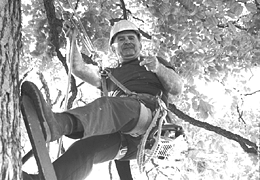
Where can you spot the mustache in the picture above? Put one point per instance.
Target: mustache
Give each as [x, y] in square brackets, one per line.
[128, 45]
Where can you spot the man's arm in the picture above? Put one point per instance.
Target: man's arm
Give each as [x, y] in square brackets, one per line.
[87, 72]
[170, 80]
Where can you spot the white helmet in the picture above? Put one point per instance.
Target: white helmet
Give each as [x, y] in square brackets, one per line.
[123, 25]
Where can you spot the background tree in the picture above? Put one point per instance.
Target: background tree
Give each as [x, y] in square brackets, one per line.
[210, 44]
[10, 48]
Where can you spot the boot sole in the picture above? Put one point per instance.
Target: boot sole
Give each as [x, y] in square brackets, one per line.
[33, 127]
[31, 91]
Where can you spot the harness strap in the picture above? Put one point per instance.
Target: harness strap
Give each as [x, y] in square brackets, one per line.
[70, 47]
[107, 73]
[157, 116]
[104, 75]
[104, 84]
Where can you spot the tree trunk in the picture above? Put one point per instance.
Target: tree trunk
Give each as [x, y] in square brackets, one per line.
[10, 38]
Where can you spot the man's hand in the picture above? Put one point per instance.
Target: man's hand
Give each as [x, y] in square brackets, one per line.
[151, 63]
[70, 31]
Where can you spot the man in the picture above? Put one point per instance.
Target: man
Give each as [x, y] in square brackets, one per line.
[107, 124]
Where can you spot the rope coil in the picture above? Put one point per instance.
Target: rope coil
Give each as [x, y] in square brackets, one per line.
[141, 154]
[163, 142]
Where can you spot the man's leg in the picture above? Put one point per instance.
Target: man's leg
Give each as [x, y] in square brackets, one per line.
[77, 162]
[53, 125]
[107, 115]
[103, 116]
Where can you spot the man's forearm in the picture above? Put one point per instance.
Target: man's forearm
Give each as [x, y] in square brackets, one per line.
[170, 80]
[87, 72]
[77, 59]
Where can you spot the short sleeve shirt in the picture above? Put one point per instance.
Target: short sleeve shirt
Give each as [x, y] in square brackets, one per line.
[135, 78]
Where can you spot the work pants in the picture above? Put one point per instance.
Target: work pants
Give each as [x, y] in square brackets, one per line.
[108, 115]
[77, 162]
[103, 120]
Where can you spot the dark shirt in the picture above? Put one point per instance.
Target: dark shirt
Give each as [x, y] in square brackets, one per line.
[135, 78]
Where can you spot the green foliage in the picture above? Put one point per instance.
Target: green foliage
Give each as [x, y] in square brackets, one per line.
[213, 44]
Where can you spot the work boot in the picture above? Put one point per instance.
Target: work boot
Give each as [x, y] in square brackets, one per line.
[53, 125]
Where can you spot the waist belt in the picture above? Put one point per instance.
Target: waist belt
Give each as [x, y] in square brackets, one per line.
[141, 96]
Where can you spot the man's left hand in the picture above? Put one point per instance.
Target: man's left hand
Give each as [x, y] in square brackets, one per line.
[151, 63]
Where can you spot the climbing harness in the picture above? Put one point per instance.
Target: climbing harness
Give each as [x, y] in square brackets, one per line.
[107, 74]
[162, 137]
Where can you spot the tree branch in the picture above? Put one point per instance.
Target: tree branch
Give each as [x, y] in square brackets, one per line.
[249, 94]
[124, 9]
[240, 115]
[57, 98]
[247, 145]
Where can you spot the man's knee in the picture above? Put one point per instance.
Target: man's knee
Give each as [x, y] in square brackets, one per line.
[144, 120]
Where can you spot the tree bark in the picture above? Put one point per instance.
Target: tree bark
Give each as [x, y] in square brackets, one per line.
[10, 38]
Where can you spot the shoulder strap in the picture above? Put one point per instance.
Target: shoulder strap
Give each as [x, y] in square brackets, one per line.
[104, 84]
[107, 74]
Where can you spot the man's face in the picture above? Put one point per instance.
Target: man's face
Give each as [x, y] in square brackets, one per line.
[127, 46]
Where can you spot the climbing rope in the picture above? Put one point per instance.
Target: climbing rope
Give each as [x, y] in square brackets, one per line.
[163, 143]
[85, 39]
[142, 159]
[69, 56]
[70, 46]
